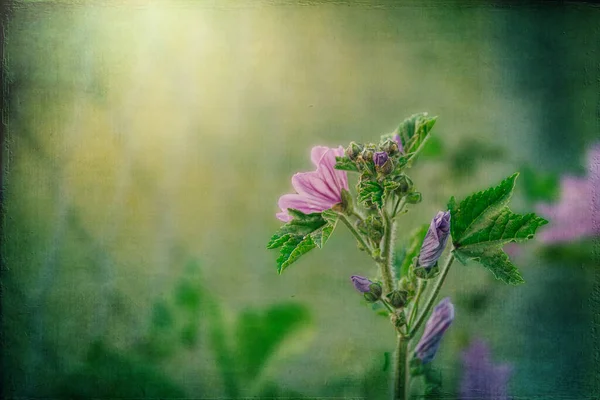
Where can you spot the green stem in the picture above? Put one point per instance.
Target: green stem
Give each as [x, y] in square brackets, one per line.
[390, 309]
[434, 293]
[413, 313]
[399, 206]
[401, 373]
[387, 265]
[356, 234]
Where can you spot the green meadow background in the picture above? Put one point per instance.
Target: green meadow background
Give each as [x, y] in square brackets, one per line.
[148, 142]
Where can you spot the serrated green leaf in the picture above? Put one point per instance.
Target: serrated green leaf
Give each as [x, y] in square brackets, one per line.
[494, 259]
[370, 192]
[345, 164]
[414, 131]
[291, 250]
[473, 210]
[504, 227]
[412, 249]
[302, 234]
[482, 223]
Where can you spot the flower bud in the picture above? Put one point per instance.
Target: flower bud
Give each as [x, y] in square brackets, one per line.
[387, 167]
[414, 198]
[409, 285]
[435, 240]
[374, 228]
[368, 152]
[439, 321]
[426, 273]
[397, 298]
[390, 147]
[371, 290]
[405, 184]
[380, 158]
[353, 150]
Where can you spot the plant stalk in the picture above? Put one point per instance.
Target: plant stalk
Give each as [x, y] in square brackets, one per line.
[413, 313]
[387, 265]
[401, 372]
[434, 293]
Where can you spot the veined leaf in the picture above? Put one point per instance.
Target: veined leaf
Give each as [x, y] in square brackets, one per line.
[370, 192]
[414, 131]
[302, 234]
[482, 223]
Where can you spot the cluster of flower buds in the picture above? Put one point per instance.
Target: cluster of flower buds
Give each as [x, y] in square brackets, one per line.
[381, 158]
[381, 167]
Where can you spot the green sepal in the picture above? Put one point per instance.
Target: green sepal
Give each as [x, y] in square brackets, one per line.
[302, 234]
[345, 164]
[482, 224]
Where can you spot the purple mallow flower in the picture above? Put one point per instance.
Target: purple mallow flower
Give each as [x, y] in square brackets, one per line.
[398, 140]
[483, 379]
[361, 283]
[435, 240]
[577, 213]
[439, 321]
[316, 190]
[380, 158]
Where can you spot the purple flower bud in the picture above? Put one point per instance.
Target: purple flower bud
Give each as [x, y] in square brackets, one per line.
[361, 283]
[380, 158]
[435, 240]
[440, 320]
[399, 141]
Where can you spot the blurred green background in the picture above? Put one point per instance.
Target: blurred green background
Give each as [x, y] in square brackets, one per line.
[148, 143]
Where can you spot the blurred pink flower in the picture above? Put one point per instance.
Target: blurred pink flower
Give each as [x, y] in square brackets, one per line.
[577, 213]
[316, 190]
[483, 379]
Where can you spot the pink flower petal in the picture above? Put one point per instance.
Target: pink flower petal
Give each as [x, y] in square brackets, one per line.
[317, 190]
[317, 153]
[311, 184]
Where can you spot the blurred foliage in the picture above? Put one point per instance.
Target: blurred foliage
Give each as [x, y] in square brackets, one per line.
[471, 154]
[109, 374]
[241, 353]
[538, 186]
[137, 129]
[582, 253]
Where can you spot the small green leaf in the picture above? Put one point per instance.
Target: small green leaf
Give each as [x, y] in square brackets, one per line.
[412, 249]
[482, 223]
[369, 193]
[414, 131]
[345, 164]
[302, 234]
